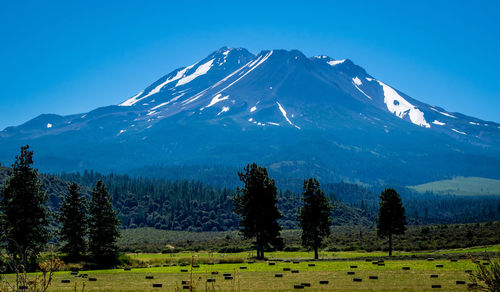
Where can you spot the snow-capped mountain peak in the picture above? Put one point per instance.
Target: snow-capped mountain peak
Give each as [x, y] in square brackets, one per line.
[238, 107]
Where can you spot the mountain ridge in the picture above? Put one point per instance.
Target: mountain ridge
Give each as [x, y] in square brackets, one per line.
[324, 116]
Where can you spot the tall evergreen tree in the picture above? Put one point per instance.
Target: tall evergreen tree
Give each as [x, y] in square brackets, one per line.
[256, 204]
[391, 216]
[73, 217]
[24, 215]
[314, 216]
[103, 227]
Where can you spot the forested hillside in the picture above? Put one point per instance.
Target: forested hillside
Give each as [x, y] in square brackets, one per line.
[198, 206]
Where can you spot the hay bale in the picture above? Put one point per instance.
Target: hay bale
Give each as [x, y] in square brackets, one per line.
[350, 273]
[357, 279]
[406, 268]
[436, 286]
[92, 279]
[368, 260]
[375, 263]
[311, 265]
[296, 262]
[65, 281]
[184, 271]
[272, 264]
[453, 260]
[149, 277]
[196, 266]
[298, 287]
[210, 280]
[439, 266]
[278, 275]
[228, 278]
[306, 284]
[185, 282]
[157, 285]
[323, 282]
[286, 269]
[227, 275]
[486, 264]
[243, 268]
[460, 282]
[295, 271]
[74, 273]
[215, 273]
[249, 263]
[127, 269]
[430, 259]
[354, 267]
[434, 276]
[187, 287]
[373, 277]
[210, 264]
[381, 265]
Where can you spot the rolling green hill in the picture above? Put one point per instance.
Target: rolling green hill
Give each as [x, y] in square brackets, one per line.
[462, 186]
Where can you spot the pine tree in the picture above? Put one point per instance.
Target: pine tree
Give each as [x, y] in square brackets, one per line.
[391, 216]
[24, 215]
[314, 216]
[256, 204]
[73, 217]
[103, 227]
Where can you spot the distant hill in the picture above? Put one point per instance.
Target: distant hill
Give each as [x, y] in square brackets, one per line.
[462, 186]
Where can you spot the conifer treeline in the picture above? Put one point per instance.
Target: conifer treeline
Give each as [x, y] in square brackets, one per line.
[24, 220]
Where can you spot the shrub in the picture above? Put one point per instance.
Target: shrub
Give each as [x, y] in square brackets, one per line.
[486, 277]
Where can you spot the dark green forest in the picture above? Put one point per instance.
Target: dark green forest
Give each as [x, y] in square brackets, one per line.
[197, 206]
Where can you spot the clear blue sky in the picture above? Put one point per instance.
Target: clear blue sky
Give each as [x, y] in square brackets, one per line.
[69, 57]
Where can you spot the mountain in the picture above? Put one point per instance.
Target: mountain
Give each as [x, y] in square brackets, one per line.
[299, 116]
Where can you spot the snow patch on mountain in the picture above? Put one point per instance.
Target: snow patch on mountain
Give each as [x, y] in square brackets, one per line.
[252, 66]
[131, 100]
[283, 112]
[224, 109]
[335, 62]
[444, 114]
[436, 122]
[215, 100]
[201, 70]
[455, 130]
[357, 82]
[49, 125]
[399, 106]
[168, 102]
[254, 108]
[473, 123]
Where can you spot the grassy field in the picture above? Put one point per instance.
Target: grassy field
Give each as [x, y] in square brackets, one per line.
[462, 186]
[260, 276]
[155, 258]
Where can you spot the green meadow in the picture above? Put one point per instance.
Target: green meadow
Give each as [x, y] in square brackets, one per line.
[461, 186]
[171, 270]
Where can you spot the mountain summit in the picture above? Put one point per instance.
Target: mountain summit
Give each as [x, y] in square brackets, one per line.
[298, 115]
